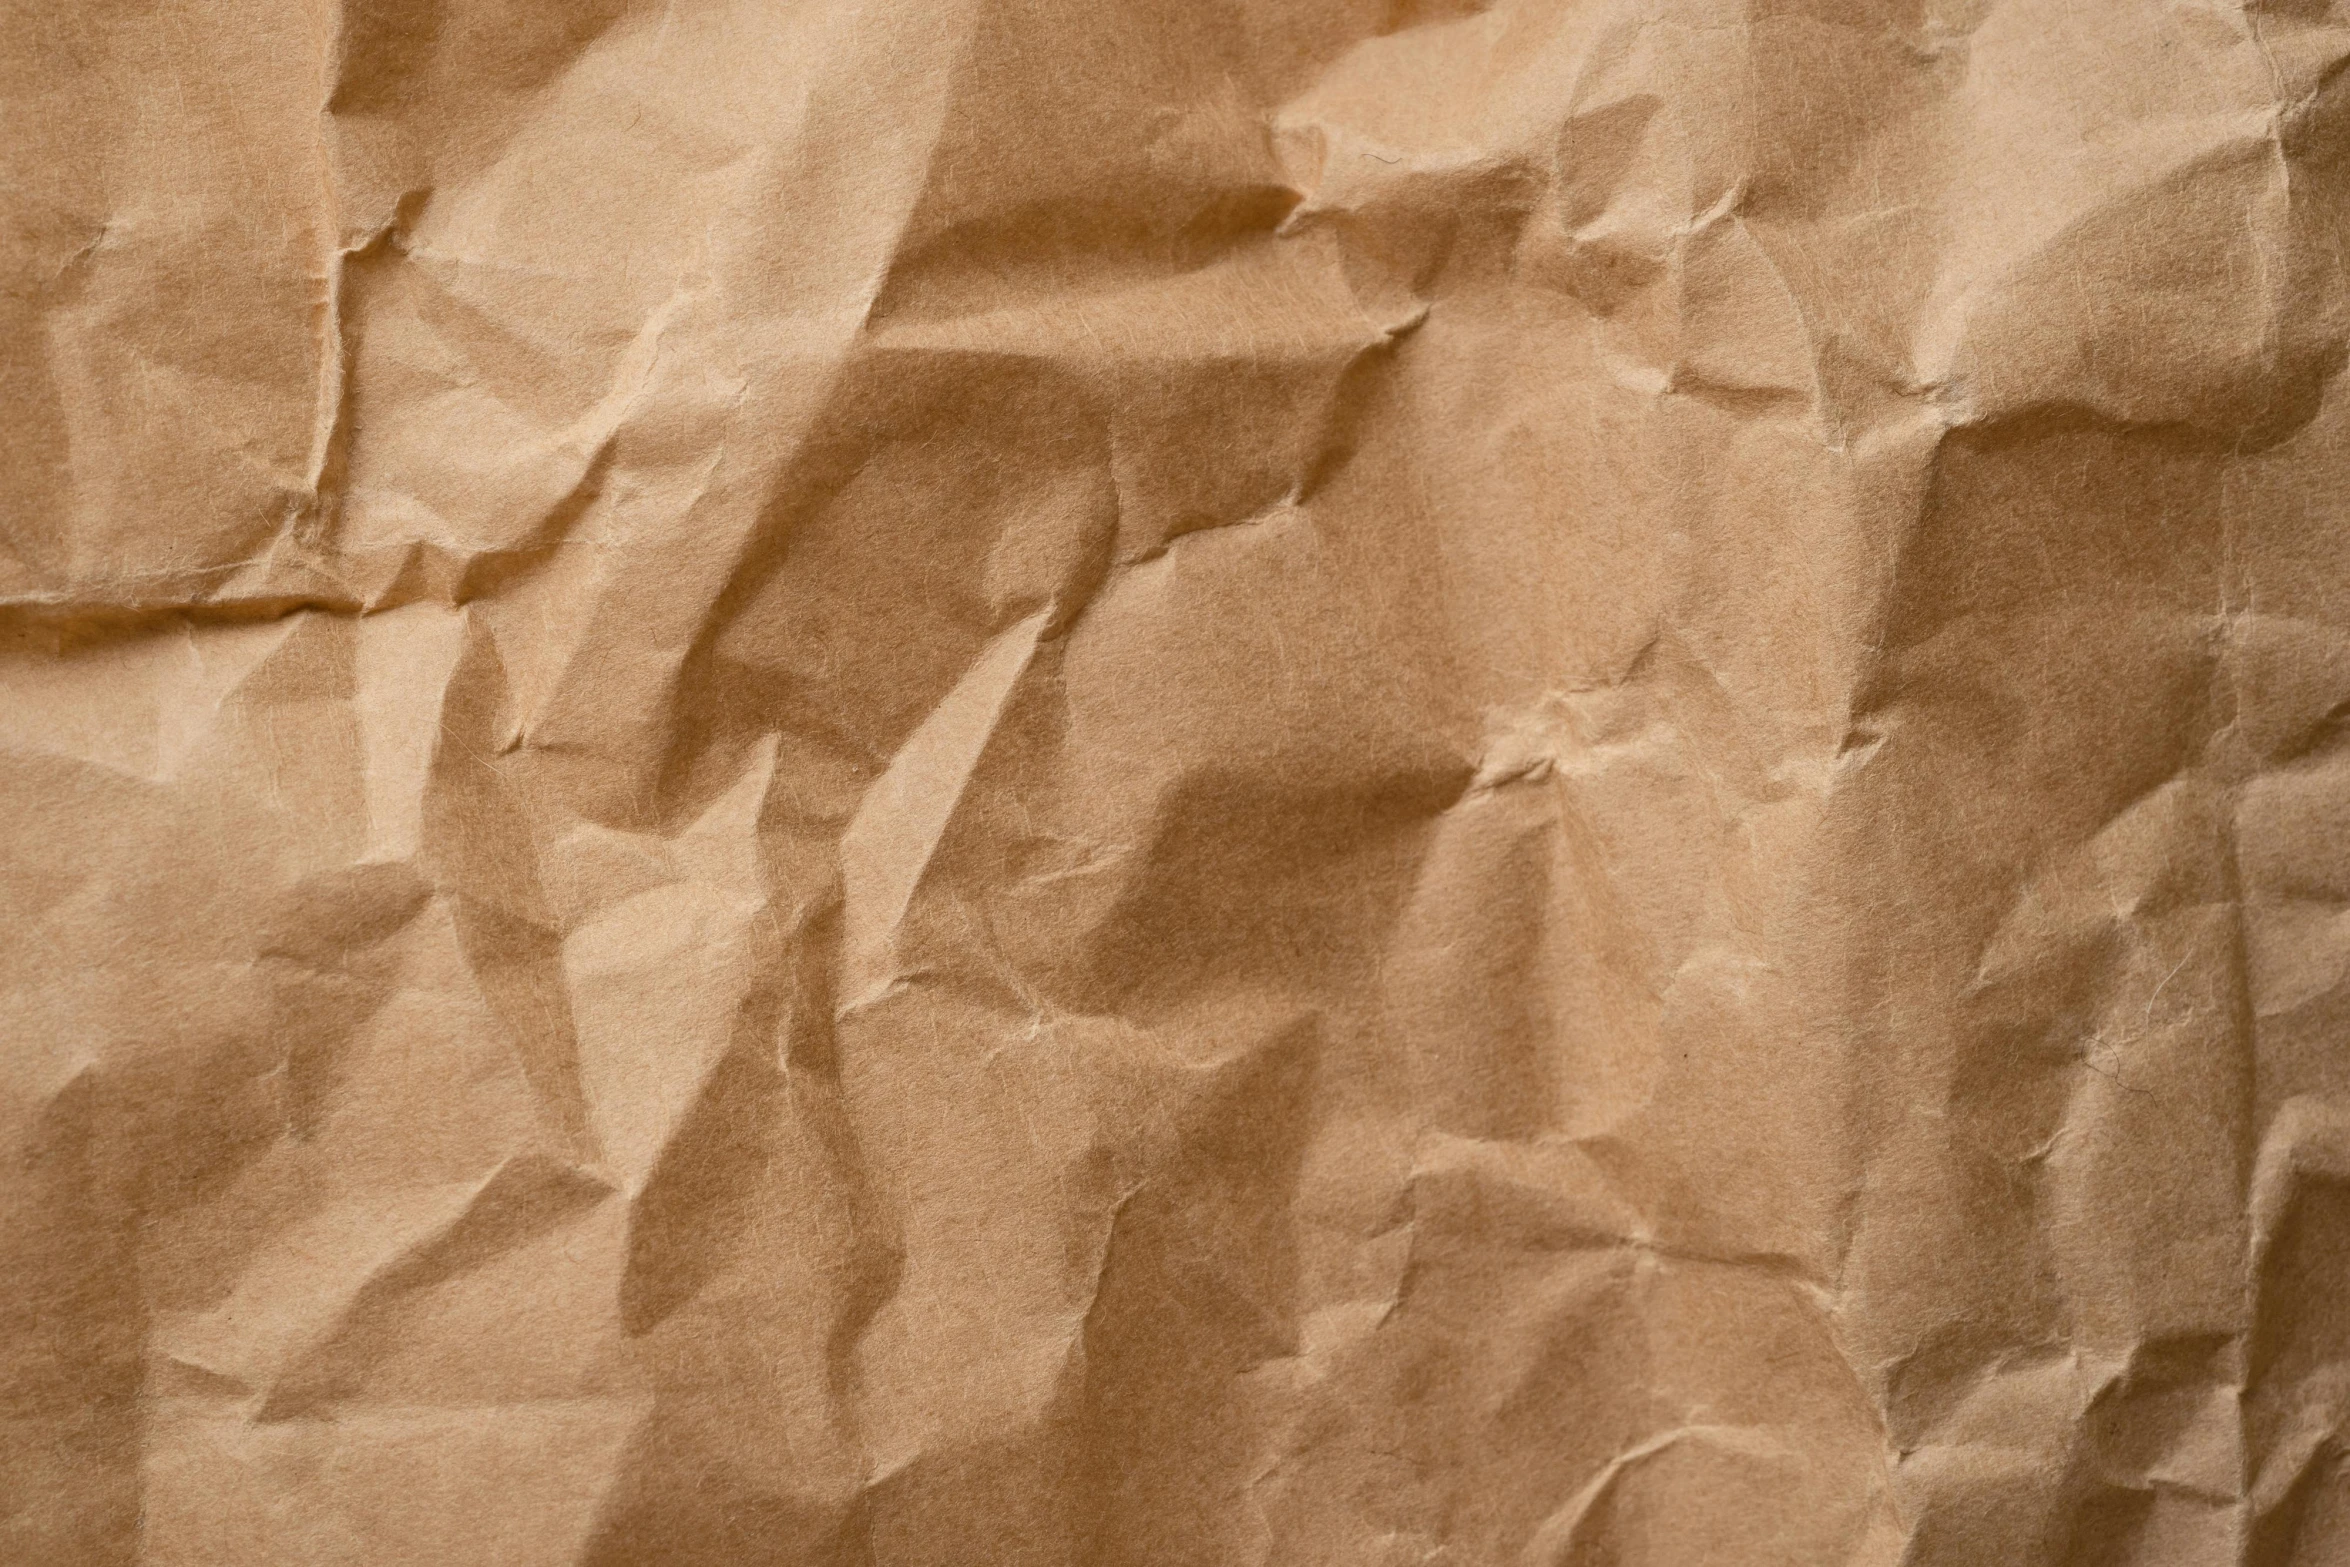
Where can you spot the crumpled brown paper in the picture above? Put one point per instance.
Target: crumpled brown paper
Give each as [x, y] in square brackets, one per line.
[1161, 782]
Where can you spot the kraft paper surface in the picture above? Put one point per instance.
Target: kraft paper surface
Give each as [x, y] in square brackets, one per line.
[1175, 783]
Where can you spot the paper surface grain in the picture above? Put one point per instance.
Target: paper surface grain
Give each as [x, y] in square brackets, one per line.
[1347, 782]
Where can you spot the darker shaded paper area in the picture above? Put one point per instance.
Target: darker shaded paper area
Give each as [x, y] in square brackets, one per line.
[1336, 782]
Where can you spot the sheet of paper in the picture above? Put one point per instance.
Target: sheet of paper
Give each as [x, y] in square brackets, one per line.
[1170, 783]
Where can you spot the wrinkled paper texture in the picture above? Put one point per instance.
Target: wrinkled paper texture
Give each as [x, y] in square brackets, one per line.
[1169, 782]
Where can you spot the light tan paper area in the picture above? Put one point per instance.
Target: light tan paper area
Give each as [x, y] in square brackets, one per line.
[1164, 782]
